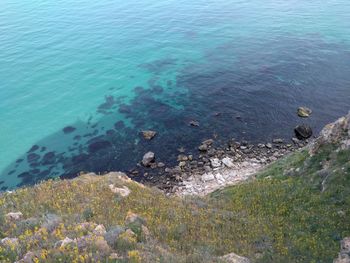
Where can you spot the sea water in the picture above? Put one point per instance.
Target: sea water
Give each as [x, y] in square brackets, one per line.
[79, 80]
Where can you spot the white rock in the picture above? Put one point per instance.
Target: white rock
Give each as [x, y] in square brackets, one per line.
[215, 162]
[234, 258]
[220, 178]
[7, 241]
[207, 177]
[14, 215]
[66, 241]
[100, 230]
[228, 162]
[124, 192]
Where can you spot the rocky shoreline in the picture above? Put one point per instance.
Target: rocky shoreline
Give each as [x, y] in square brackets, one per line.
[214, 166]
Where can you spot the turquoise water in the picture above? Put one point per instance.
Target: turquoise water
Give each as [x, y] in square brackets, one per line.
[109, 69]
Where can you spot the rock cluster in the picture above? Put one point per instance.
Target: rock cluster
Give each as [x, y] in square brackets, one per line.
[213, 166]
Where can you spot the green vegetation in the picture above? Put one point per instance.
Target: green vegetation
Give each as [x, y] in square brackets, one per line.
[296, 210]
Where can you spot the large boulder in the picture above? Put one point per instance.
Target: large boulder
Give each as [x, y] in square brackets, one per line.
[303, 131]
[148, 159]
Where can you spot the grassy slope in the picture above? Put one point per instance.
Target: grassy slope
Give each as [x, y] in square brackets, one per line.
[282, 216]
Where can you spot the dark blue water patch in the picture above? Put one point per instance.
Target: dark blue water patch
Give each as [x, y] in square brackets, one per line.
[159, 66]
[255, 100]
[68, 129]
[34, 148]
[33, 157]
[48, 158]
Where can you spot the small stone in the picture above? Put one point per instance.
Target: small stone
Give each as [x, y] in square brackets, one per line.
[220, 178]
[215, 162]
[114, 256]
[148, 134]
[203, 147]
[182, 164]
[14, 216]
[182, 157]
[278, 141]
[207, 177]
[124, 192]
[304, 112]
[100, 230]
[208, 142]
[295, 140]
[269, 145]
[132, 218]
[228, 162]
[148, 158]
[207, 168]
[160, 165]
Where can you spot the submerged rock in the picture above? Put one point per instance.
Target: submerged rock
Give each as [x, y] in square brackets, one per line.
[68, 129]
[194, 123]
[148, 159]
[303, 131]
[33, 149]
[148, 134]
[304, 112]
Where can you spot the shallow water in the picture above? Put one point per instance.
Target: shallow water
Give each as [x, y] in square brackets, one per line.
[103, 70]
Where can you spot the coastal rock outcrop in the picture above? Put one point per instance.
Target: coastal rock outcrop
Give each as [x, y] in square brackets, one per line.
[303, 131]
[148, 159]
[337, 132]
[304, 112]
[148, 134]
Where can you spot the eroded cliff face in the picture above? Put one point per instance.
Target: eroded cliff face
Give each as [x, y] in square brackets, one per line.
[337, 133]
